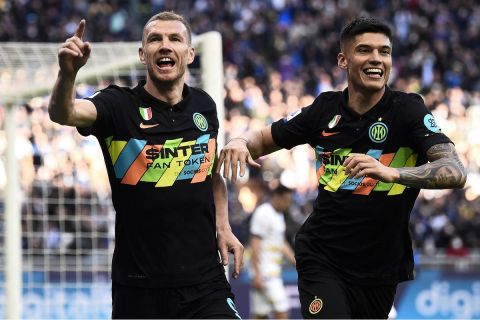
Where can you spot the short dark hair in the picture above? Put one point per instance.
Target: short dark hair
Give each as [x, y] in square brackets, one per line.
[362, 25]
[170, 16]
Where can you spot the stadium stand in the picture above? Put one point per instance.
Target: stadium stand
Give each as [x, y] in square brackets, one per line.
[278, 54]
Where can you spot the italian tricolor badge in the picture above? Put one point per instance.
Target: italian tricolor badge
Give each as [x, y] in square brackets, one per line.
[146, 113]
[334, 121]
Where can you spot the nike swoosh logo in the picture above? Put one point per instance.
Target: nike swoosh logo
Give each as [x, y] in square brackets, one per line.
[147, 126]
[328, 134]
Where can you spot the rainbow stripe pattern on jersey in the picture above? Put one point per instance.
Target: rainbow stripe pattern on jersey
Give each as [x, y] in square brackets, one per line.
[163, 164]
[331, 172]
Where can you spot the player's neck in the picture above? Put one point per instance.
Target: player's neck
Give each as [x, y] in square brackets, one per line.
[361, 102]
[169, 92]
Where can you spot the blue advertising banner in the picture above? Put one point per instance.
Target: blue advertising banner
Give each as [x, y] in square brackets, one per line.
[51, 296]
[440, 294]
[434, 294]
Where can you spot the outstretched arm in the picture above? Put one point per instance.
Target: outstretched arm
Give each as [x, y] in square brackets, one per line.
[240, 151]
[444, 171]
[63, 108]
[226, 240]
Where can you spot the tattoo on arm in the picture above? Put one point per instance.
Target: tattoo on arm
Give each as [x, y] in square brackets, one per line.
[444, 171]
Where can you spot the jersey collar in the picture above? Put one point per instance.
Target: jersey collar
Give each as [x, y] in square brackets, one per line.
[373, 113]
[148, 98]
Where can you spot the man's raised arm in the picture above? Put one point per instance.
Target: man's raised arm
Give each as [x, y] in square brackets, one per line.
[63, 108]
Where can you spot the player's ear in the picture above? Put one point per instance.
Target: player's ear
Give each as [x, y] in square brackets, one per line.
[141, 55]
[342, 60]
[191, 54]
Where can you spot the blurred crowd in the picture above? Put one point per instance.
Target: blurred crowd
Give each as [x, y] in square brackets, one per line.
[278, 56]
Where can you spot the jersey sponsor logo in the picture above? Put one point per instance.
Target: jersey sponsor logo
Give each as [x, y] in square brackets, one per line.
[331, 172]
[335, 120]
[184, 150]
[431, 124]
[200, 121]
[146, 113]
[328, 134]
[333, 159]
[147, 126]
[378, 132]
[292, 115]
[315, 306]
[136, 161]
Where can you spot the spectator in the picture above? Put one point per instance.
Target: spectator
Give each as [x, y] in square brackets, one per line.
[437, 47]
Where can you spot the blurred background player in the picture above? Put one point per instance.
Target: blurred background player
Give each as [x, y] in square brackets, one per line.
[269, 246]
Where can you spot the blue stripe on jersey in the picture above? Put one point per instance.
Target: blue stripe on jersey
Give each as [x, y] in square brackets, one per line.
[319, 160]
[188, 171]
[127, 156]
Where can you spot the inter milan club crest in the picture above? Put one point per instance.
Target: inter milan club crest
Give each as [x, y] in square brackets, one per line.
[378, 131]
[200, 121]
[146, 113]
[315, 306]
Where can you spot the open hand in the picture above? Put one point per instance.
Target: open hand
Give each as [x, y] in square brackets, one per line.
[227, 242]
[234, 153]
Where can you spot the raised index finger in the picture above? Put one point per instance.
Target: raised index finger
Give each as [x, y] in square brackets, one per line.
[80, 29]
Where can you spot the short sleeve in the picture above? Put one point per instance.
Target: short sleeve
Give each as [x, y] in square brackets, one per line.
[423, 130]
[292, 130]
[105, 101]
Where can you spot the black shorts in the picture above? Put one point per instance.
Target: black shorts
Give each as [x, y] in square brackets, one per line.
[209, 300]
[329, 297]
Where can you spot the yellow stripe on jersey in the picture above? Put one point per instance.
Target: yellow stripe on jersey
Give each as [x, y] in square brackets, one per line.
[399, 188]
[115, 149]
[176, 165]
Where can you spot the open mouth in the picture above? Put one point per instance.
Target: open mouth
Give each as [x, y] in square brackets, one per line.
[376, 73]
[165, 62]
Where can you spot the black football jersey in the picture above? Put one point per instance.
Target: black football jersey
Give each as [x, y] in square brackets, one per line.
[159, 160]
[359, 227]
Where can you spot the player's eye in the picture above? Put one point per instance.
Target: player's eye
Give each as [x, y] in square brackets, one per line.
[154, 39]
